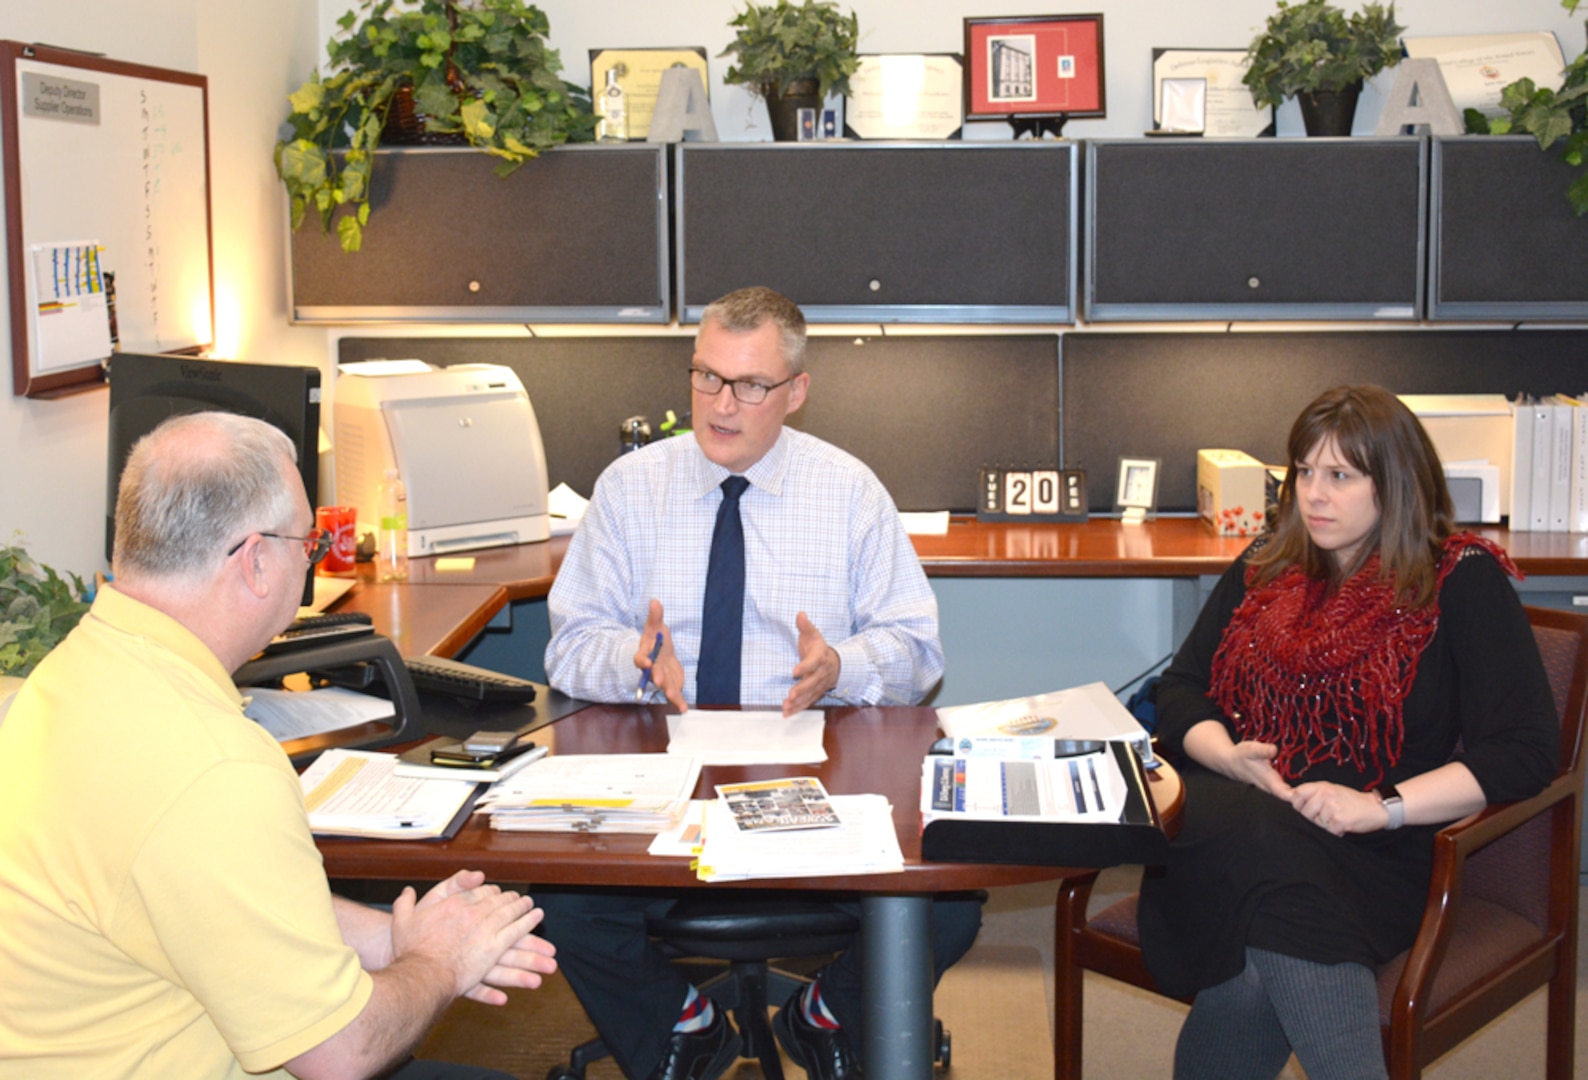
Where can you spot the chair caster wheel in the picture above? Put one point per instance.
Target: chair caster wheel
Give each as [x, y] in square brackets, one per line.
[562, 1072]
[942, 1046]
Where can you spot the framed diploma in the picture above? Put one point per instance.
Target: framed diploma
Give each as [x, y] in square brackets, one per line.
[1227, 109]
[1477, 67]
[1034, 66]
[906, 96]
[640, 76]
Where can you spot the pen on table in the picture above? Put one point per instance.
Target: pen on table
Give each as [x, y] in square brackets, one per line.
[645, 676]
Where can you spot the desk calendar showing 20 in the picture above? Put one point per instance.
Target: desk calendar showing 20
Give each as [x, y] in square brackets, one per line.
[1031, 495]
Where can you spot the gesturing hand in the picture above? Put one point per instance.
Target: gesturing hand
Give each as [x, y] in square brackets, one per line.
[1340, 809]
[521, 966]
[817, 669]
[1253, 763]
[465, 932]
[667, 674]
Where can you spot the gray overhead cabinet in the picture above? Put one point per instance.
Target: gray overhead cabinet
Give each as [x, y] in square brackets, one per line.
[882, 232]
[578, 234]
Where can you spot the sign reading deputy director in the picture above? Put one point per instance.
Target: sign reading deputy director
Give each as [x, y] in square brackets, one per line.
[49, 97]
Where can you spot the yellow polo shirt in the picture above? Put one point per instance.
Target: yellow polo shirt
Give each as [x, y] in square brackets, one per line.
[163, 910]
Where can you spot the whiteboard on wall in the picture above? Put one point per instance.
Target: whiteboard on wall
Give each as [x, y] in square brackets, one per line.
[107, 214]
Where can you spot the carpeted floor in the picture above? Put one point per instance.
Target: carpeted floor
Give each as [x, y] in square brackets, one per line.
[997, 1005]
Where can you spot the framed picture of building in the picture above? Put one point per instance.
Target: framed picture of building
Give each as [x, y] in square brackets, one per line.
[1034, 66]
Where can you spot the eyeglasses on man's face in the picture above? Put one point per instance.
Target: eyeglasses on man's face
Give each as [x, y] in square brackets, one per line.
[315, 545]
[748, 391]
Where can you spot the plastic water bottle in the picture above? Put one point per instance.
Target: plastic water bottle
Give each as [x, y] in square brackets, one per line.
[392, 543]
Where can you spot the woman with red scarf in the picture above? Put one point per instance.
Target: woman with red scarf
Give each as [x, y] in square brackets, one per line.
[1361, 676]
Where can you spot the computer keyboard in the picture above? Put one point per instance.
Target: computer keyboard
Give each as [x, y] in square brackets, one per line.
[321, 630]
[437, 675]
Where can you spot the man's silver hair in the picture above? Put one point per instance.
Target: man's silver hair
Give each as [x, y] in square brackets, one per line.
[195, 486]
[745, 310]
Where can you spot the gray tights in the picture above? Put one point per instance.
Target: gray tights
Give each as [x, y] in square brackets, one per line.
[1247, 1028]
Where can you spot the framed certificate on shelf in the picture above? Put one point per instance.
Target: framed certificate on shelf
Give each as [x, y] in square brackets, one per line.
[1034, 66]
[1227, 110]
[906, 96]
[640, 76]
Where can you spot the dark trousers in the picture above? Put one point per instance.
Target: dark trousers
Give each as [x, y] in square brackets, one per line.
[633, 993]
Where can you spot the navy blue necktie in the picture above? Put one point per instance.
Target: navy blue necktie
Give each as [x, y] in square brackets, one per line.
[722, 614]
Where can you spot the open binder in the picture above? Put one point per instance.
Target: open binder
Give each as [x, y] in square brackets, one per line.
[1138, 836]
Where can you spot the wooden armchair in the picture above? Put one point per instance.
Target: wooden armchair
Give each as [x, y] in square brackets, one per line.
[1501, 918]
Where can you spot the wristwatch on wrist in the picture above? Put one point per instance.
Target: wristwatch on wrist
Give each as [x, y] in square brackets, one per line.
[1394, 804]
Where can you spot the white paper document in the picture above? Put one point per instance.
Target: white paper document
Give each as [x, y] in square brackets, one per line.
[289, 714]
[866, 843]
[71, 317]
[1084, 788]
[357, 793]
[682, 839]
[720, 737]
[1081, 712]
[643, 793]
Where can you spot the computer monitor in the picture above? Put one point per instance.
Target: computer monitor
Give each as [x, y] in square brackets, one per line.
[147, 389]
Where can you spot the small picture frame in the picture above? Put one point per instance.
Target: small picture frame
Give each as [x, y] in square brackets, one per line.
[1183, 105]
[1032, 66]
[1136, 497]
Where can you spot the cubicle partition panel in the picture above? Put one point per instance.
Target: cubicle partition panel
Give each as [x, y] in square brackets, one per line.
[1168, 395]
[1505, 243]
[578, 234]
[897, 232]
[1183, 229]
[925, 413]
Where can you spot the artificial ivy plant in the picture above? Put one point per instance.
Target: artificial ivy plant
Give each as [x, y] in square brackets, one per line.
[1550, 116]
[1313, 46]
[482, 71]
[37, 609]
[777, 43]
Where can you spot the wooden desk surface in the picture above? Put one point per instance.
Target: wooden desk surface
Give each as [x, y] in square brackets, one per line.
[1102, 547]
[869, 750]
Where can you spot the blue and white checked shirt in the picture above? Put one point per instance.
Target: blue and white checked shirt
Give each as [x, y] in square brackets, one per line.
[821, 536]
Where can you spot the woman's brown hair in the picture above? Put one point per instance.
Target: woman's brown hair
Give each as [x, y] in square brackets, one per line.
[1378, 435]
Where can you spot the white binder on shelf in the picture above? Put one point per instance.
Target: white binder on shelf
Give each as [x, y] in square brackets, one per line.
[1542, 416]
[1521, 465]
[1577, 502]
[1562, 436]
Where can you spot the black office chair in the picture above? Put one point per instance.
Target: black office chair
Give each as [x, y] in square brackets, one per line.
[747, 934]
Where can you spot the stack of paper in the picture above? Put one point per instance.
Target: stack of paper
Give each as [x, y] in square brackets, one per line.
[986, 781]
[719, 737]
[865, 843]
[1082, 712]
[357, 793]
[630, 793]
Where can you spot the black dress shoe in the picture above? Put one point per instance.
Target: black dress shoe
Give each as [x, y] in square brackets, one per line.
[699, 1055]
[824, 1053]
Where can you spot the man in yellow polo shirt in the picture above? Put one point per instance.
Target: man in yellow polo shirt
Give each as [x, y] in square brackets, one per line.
[163, 910]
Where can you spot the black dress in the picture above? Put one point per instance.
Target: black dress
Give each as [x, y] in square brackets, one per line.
[1246, 869]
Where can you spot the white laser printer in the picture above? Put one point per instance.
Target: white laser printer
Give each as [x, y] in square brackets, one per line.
[465, 441]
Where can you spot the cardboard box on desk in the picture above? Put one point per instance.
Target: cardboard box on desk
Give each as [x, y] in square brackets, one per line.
[1232, 492]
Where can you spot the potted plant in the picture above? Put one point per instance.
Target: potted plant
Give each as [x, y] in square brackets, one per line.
[1550, 116]
[479, 73]
[1315, 52]
[793, 56]
[37, 609]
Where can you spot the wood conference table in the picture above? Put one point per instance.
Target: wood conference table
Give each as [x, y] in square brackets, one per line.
[869, 750]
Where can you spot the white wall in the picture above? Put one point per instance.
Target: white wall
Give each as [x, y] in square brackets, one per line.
[52, 453]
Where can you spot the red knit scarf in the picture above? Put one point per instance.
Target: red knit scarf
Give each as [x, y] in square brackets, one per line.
[1325, 677]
